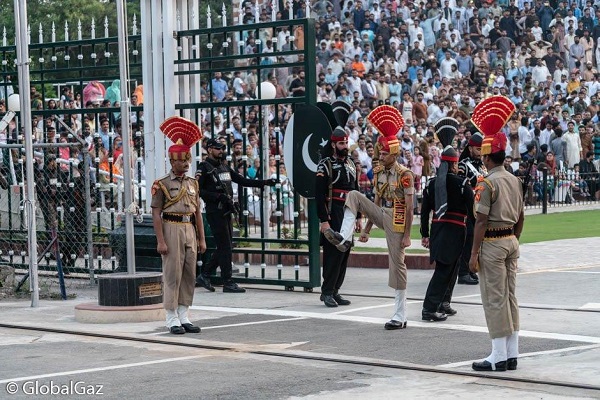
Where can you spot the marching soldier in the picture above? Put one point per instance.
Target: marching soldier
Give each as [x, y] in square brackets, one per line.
[336, 177]
[451, 199]
[214, 178]
[499, 223]
[392, 209]
[178, 226]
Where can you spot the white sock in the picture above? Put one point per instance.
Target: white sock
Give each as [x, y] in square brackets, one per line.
[172, 318]
[347, 228]
[182, 311]
[498, 351]
[400, 306]
[512, 345]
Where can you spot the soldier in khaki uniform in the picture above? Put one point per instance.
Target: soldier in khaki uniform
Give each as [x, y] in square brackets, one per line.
[177, 219]
[391, 211]
[498, 226]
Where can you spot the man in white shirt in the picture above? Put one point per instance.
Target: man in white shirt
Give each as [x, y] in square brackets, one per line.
[336, 65]
[446, 65]
[536, 30]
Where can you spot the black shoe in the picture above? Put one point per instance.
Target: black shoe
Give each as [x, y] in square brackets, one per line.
[341, 301]
[446, 309]
[333, 237]
[204, 281]
[474, 276]
[328, 300]
[189, 328]
[511, 364]
[467, 280]
[393, 324]
[177, 330]
[487, 366]
[433, 316]
[232, 287]
[344, 247]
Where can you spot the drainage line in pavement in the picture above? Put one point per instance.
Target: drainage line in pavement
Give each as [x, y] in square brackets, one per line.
[407, 367]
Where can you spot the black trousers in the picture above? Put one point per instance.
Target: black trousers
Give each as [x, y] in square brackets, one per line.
[463, 261]
[438, 285]
[334, 268]
[334, 261]
[222, 231]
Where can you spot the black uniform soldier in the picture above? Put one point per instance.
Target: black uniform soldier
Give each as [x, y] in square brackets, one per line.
[178, 225]
[336, 176]
[470, 167]
[451, 199]
[214, 178]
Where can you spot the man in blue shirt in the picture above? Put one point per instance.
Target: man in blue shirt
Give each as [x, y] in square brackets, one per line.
[219, 87]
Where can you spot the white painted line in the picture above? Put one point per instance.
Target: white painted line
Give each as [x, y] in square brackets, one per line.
[373, 320]
[109, 368]
[351, 310]
[539, 271]
[253, 323]
[532, 354]
[464, 297]
[590, 306]
[577, 272]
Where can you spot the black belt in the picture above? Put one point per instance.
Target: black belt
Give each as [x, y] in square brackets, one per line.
[496, 233]
[181, 218]
[452, 218]
[339, 194]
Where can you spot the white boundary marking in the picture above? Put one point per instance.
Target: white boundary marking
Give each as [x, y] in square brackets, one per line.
[234, 325]
[590, 306]
[532, 354]
[373, 320]
[109, 368]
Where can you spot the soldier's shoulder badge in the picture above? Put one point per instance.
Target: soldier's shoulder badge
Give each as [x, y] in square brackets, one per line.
[377, 169]
[155, 187]
[406, 180]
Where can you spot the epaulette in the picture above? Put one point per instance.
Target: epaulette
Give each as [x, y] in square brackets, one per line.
[401, 169]
[378, 169]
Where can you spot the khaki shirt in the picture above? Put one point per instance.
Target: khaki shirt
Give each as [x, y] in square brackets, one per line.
[394, 183]
[500, 197]
[173, 194]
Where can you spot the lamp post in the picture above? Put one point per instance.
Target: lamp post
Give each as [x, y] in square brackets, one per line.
[25, 108]
[266, 91]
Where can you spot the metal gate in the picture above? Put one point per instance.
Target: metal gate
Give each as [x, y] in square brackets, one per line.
[277, 239]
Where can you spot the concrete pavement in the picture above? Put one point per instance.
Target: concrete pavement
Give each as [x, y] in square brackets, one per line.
[560, 341]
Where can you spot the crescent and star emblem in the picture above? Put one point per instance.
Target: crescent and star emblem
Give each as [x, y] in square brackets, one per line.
[310, 164]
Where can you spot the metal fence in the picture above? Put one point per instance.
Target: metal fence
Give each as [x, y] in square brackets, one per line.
[78, 170]
[562, 188]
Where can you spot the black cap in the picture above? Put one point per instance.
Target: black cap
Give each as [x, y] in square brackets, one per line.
[215, 144]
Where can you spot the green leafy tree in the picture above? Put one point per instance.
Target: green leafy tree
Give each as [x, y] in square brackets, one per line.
[60, 11]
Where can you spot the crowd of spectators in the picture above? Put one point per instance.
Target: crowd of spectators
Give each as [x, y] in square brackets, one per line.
[432, 59]
[429, 59]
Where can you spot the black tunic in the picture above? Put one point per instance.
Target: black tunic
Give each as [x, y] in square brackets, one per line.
[447, 238]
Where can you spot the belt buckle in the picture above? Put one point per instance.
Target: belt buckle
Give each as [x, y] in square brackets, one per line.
[185, 218]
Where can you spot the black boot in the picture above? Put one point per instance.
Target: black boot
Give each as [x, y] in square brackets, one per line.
[487, 366]
[445, 308]
[340, 300]
[433, 316]
[204, 281]
[232, 287]
[328, 300]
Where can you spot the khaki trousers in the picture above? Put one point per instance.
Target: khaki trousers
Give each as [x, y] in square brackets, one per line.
[497, 277]
[179, 264]
[382, 217]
